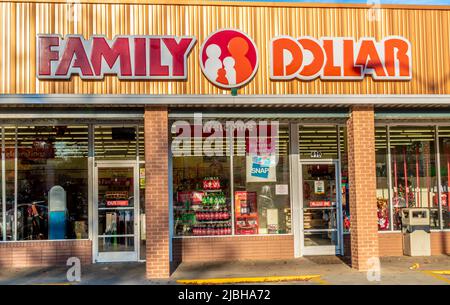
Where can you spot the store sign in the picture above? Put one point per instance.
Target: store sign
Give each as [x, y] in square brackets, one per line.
[340, 58]
[228, 58]
[117, 203]
[319, 187]
[128, 57]
[316, 154]
[261, 168]
[315, 204]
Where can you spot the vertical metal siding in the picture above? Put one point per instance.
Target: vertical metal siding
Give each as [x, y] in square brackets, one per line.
[428, 31]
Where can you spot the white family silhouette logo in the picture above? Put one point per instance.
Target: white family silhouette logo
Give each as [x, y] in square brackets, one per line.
[229, 58]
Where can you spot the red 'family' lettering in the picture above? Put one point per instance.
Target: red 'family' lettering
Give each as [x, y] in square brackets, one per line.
[128, 57]
[307, 58]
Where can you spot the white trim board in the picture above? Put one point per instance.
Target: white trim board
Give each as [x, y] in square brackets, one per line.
[133, 99]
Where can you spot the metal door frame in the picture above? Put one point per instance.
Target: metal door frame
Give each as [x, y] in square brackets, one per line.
[322, 250]
[125, 256]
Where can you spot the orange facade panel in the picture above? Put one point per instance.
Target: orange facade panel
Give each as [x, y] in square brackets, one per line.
[20, 22]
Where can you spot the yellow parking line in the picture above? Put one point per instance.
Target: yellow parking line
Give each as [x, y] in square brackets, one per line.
[437, 274]
[237, 280]
[53, 284]
[442, 272]
[320, 281]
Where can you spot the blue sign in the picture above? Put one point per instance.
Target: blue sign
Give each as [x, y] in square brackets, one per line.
[261, 166]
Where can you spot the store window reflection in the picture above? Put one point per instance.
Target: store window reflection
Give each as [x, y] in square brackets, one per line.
[344, 179]
[413, 166]
[381, 155]
[52, 182]
[2, 217]
[318, 142]
[10, 214]
[116, 142]
[444, 152]
[201, 181]
[261, 181]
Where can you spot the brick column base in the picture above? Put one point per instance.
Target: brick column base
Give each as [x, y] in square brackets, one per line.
[362, 186]
[156, 137]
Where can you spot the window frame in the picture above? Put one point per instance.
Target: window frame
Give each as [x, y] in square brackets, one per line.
[137, 124]
[388, 157]
[231, 174]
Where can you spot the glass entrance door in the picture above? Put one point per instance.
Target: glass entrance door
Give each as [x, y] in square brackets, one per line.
[320, 209]
[115, 208]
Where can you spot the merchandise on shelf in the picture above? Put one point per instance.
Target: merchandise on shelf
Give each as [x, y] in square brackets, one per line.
[211, 183]
[287, 213]
[211, 229]
[214, 199]
[383, 214]
[212, 215]
[203, 212]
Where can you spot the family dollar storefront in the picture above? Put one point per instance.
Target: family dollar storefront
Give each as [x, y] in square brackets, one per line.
[209, 131]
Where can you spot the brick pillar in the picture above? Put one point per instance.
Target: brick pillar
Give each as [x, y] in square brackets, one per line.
[157, 192]
[362, 186]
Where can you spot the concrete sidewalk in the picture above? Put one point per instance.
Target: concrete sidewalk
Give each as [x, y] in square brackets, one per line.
[329, 269]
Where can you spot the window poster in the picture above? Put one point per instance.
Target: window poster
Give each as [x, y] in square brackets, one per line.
[261, 168]
[319, 187]
[246, 212]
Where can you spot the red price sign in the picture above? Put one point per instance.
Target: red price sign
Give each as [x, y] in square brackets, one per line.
[320, 203]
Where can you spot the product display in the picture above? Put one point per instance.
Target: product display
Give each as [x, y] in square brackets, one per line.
[287, 215]
[383, 214]
[246, 212]
[203, 212]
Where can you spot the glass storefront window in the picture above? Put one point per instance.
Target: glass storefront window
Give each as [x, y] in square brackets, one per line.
[381, 155]
[116, 215]
[10, 214]
[201, 182]
[319, 204]
[444, 152]
[261, 182]
[414, 180]
[344, 179]
[203, 189]
[2, 218]
[141, 143]
[45, 177]
[115, 142]
[52, 182]
[318, 142]
[142, 231]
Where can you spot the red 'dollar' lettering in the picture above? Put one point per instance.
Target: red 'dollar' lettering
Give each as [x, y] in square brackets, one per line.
[128, 57]
[330, 70]
[340, 58]
[316, 57]
[369, 58]
[398, 57]
[286, 59]
[350, 70]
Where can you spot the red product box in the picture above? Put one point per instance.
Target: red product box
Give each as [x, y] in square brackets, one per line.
[196, 197]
